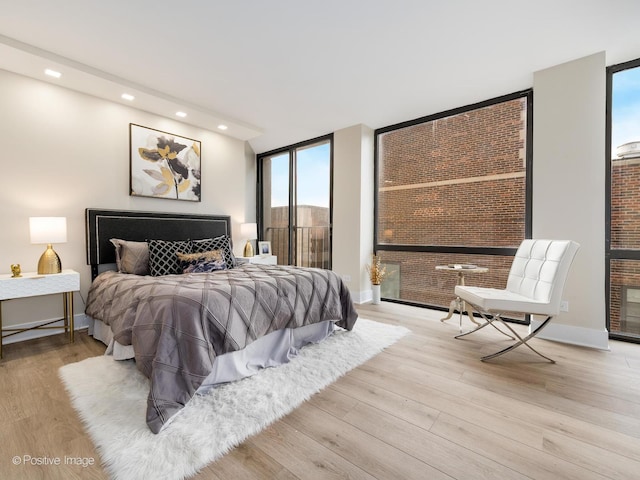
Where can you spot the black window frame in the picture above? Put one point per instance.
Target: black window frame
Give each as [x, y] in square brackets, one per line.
[290, 150]
[613, 254]
[502, 251]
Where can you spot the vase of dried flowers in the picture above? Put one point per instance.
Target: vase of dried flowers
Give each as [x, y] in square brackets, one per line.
[377, 274]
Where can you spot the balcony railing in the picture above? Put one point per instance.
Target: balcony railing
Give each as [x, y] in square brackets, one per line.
[312, 245]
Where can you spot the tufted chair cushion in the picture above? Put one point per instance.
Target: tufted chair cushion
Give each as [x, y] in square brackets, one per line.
[538, 270]
[535, 283]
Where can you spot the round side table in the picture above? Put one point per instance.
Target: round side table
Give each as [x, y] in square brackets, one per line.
[457, 303]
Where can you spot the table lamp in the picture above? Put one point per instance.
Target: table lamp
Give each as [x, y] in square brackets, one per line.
[250, 232]
[48, 230]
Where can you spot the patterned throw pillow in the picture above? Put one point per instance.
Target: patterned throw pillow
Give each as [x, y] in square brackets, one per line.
[131, 257]
[222, 243]
[201, 262]
[162, 256]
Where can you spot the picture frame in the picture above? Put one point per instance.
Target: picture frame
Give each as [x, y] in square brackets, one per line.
[163, 165]
[264, 249]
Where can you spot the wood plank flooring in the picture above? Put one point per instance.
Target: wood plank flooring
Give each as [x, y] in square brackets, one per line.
[425, 408]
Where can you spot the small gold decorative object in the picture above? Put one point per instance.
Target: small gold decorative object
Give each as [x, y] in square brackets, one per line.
[15, 270]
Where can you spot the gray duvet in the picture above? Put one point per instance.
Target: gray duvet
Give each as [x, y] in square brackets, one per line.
[178, 324]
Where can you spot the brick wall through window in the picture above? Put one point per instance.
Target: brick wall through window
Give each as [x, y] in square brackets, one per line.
[456, 181]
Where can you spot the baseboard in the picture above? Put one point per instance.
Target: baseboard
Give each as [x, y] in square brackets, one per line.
[362, 297]
[80, 321]
[584, 337]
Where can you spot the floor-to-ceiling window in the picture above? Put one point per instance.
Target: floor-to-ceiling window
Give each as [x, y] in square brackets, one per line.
[295, 202]
[453, 188]
[623, 214]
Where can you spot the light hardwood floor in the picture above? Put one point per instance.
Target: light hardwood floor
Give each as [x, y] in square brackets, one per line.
[425, 408]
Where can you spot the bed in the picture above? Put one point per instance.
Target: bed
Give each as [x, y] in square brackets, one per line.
[218, 322]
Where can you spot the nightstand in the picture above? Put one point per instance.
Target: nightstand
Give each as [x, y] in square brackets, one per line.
[35, 285]
[259, 259]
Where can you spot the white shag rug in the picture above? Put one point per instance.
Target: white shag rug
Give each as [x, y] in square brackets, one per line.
[111, 397]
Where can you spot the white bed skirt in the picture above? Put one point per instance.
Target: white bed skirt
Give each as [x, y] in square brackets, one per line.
[273, 349]
[102, 332]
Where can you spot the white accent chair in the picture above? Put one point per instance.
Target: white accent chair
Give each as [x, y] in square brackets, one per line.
[535, 285]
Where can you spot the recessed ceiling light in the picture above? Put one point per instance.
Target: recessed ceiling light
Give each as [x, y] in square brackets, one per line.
[181, 114]
[222, 127]
[127, 96]
[52, 73]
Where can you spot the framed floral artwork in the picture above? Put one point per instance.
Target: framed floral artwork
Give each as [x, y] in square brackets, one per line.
[163, 165]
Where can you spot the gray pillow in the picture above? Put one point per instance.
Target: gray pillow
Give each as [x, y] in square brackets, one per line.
[131, 257]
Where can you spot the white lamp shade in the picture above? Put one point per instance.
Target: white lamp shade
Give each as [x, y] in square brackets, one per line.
[48, 229]
[249, 230]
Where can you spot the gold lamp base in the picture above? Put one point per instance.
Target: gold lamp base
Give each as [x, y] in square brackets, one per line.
[248, 249]
[49, 262]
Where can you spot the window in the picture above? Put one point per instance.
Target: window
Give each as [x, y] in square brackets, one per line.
[295, 202]
[630, 315]
[453, 188]
[623, 212]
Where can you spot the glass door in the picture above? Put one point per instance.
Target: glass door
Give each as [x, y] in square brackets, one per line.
[296, 203]
[275, 201]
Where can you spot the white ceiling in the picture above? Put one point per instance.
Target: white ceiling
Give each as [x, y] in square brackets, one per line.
[279, 72]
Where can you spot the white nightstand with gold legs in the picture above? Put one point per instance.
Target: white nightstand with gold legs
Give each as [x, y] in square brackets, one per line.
[35, 285]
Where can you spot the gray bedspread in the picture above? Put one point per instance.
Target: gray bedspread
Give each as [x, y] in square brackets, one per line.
[178, 324]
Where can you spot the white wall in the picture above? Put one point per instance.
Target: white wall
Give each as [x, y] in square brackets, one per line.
[353, 191]
[569, 187]
[64, 151]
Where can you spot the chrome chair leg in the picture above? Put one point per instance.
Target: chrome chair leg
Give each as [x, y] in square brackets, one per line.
[521, 341]
[487, 321]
